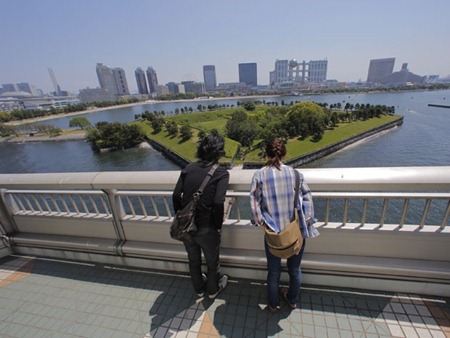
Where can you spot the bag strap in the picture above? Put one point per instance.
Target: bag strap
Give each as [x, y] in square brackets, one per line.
[296, 189]
[207, 178]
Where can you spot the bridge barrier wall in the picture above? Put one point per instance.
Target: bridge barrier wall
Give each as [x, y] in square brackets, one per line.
[383, 256]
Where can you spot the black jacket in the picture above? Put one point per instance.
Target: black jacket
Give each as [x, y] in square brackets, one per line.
[210, 210]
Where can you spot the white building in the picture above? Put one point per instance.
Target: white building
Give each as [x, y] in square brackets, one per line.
[291, 71]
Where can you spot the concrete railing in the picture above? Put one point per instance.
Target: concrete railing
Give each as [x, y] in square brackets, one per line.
[381, 228]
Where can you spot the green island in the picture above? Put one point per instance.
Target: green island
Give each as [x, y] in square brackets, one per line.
[306, 127]
[310, 130]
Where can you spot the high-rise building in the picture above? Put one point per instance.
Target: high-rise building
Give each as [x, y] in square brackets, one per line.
[152, 80]
[112, 79]
[209, 76]
[379, 69]
[106, 79]
[141, 81]
[248, 73]
[121, 81]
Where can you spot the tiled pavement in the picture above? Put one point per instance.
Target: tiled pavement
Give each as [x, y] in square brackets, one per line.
[50, 298]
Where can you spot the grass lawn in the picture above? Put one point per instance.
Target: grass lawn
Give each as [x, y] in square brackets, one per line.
[296, 147]
[207, 121]
[189, 148]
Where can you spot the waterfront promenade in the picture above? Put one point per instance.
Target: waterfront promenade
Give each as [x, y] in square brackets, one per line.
[57, 298]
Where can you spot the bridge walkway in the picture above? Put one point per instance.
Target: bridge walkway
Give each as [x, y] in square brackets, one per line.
[42, 297]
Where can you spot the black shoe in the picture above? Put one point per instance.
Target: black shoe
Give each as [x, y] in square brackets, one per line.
[202, 293]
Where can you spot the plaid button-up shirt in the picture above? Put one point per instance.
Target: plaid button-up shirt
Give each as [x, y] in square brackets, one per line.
[272, 199]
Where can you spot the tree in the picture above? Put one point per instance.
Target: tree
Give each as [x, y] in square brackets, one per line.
[5, 116]
[201, 134]
[172, 128]
[247, 134]
[6, 130]
[115, 136]
[334, 119]
[305, 119]
[249, 105]
[157, 124]
[241, 129]
[185, 132]
[80, 122]
[132, 135]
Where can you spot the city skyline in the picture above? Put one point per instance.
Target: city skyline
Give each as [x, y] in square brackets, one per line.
[71, 38]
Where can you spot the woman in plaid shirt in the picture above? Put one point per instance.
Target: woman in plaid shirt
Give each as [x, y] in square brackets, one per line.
[272, 205]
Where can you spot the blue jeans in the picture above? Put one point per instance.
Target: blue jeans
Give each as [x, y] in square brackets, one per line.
[208, 241]
[274, 272]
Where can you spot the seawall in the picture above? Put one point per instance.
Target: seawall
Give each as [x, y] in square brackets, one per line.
[174, 157]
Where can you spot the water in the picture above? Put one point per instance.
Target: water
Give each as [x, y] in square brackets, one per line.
[422, 140]
[76, 156]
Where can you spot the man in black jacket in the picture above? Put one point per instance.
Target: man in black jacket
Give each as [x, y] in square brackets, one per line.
[208, 216]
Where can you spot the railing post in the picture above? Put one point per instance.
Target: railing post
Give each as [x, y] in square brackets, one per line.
[118, 213]
[7, 224]
[6, 212]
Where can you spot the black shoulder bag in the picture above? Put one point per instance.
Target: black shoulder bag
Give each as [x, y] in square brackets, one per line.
[183, 224]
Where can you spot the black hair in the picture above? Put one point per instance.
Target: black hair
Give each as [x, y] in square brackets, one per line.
[275, 151]
[211, 148]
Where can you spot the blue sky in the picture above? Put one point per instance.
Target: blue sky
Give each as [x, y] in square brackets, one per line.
[178, 37]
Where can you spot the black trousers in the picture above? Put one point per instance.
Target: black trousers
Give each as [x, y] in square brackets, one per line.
[206, 240]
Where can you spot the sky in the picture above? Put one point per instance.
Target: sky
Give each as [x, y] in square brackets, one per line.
[178, 37]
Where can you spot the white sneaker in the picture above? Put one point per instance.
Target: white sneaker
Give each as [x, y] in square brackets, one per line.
[223, 282]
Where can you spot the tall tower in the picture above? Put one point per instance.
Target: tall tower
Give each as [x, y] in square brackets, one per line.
[152, 80]
[112, 79]
[379, 69]
[209, 76]
[106, 79]
[54, 82]
[121, 81]
[141, 81]
[248, 73]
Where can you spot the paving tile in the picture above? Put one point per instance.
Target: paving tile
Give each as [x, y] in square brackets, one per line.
[396, 330]
[66, 300]
[356, 325]
[319, 320]
[308, 331]
[343, 324]
[410, 332]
